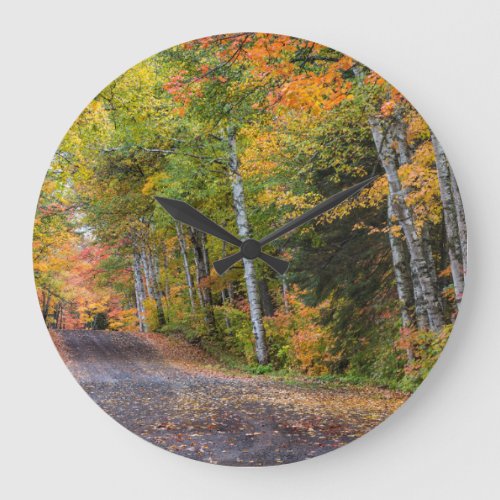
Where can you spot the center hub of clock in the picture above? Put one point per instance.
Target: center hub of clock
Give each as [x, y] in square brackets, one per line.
[250, 249]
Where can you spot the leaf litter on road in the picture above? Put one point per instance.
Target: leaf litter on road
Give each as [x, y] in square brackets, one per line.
[175, 396]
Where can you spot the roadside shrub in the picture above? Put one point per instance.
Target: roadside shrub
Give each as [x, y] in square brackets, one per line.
[426, 347]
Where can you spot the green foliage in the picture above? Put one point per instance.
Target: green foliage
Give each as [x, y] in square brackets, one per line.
[260, 369]
[237, 336]
[191, 326]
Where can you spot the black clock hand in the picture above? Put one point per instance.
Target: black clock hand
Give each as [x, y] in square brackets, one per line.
[222, 265]
[185, 213]
[314, 212]
[280, 266]
[251, 249]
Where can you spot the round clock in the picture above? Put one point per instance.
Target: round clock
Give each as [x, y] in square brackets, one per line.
[250, 249]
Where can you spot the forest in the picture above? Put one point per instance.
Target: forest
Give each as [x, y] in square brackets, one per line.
[253, 129]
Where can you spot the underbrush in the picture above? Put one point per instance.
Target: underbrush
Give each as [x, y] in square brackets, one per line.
[301, 351]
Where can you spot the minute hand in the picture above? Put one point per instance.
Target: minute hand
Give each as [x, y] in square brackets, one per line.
[186, 214]
[323, 207]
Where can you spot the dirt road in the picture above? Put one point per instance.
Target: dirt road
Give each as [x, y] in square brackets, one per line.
[173, 395]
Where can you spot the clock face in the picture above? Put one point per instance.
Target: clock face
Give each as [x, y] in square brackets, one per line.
[250, 249]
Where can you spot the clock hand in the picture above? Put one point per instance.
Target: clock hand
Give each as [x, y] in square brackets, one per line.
[314, 212]
[280, 266]
[222, 265]
[185, 213]
[251, 249]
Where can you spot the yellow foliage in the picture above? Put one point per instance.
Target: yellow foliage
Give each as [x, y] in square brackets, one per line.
[304, 342]
[123, 320]
[417, 128]
[151, 314]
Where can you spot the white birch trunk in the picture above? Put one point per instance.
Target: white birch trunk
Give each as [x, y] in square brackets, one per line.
[403, 149]
[421, 316]
[197, 281]
[404, 155]
[426, 243]
[146, 271]
[244, 233]
[189, 280]
[383, 141]
[402, 274]
[462, 228]
[155, 278]
[450, 219]
[140, 293]
[204, 290]
[152, 284]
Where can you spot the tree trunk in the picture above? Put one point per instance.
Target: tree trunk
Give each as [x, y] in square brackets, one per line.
[198, 272]
[55, 315]
[201, 263]
[189, 280]
[200, 267]
[155, 275]
[404, 155]
[166, 287]
[402, 273]
[266, 299]
[450, 219]
[229, 287]
[140, 293]
[421, 315]
[431, 263]
[227, 297]
[284, 294]
[383, 141]
[152, 284]
[462, 228]
[206, 258]
[147, 272]
[60, 316]
[403, 149]
[244, 233]
[46, 304]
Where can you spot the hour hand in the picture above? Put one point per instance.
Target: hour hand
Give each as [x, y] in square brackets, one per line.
[186, 214]
[222, 265]
[251, 250]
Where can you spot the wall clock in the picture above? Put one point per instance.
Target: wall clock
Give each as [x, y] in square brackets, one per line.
[250, 249]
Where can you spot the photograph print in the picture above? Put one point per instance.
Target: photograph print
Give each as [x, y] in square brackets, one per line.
[250, 249]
